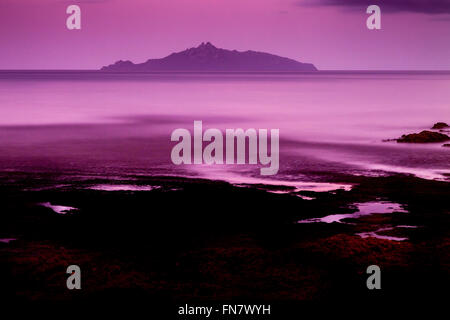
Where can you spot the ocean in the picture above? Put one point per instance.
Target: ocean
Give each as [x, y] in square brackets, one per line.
[331, 123]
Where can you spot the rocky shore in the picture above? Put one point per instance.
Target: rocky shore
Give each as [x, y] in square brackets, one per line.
[187, 240]
[423, 137]
[426, 136]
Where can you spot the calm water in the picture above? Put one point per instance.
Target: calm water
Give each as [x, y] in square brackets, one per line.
[121, 123]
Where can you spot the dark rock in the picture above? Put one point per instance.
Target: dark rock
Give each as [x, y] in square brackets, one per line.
[446, 145]
[440, 125]
[424, 137]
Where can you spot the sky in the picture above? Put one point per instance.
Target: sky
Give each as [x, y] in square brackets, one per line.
[331, 34]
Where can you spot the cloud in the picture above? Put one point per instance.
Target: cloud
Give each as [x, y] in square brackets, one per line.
[393, 6]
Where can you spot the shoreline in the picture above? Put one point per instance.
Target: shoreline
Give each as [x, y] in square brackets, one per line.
[226, 241]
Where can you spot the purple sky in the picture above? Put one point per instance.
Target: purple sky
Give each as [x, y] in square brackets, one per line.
[332, 34]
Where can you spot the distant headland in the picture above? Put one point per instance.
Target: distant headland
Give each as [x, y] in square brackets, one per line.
[208, 58]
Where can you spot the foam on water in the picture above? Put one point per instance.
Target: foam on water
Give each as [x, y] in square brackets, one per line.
[242, 178]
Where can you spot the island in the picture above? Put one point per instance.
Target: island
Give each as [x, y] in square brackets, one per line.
[208, 58]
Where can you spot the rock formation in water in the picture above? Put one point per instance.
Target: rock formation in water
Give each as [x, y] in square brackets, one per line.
[424, 137]
[440, 125]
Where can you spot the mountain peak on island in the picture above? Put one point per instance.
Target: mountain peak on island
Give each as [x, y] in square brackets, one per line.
[208, 58]
[206, 45]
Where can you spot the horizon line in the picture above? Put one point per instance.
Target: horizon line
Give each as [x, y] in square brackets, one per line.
[200, 71]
